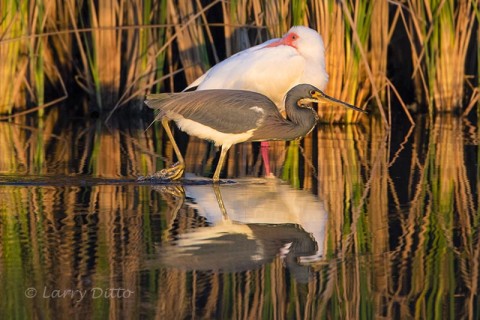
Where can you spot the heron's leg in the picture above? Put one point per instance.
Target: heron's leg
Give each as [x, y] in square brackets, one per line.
[266, 161]
[174, 195]
[174, 172]
[172, 140]
[221, 205]
[223, 153]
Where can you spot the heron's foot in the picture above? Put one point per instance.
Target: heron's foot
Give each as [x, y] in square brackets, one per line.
[175, 172]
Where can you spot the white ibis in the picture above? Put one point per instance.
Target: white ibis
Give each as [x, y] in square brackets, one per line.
[271, 68]
[227, 117]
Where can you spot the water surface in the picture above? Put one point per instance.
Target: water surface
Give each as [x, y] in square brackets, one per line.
[361, 222]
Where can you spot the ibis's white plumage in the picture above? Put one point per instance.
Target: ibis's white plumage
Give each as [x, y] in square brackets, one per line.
[273, 67]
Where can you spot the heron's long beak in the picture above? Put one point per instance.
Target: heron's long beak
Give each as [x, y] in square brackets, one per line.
[321, 97]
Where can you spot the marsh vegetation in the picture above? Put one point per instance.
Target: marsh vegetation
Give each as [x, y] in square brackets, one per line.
[399, 189]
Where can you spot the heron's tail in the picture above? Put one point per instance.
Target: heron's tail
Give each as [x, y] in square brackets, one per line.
[153, 101]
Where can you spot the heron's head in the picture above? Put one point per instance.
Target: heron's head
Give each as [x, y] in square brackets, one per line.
[306, 94]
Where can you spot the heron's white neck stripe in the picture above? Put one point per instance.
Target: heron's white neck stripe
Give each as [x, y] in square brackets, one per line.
[257, 109]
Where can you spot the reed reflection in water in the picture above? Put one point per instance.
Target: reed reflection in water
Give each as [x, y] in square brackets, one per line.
[401, 239]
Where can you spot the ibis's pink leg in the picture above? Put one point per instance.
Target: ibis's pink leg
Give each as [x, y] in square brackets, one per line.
[266, 161]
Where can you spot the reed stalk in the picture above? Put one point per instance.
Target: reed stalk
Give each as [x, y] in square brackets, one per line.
[441, 32]
[190, 40]
[346, 28]
[159, 37]
[32, 68]
[13, 159]
[37, 51]
[60, 53]
[13, 64]
[120, 58]
[143, 52]
[236, 39]
[380, 35]
[104, 57]
[237, 16]
[277, 17]
[299, 12]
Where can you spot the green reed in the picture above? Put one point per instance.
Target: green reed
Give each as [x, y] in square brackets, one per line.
[154, 39]
[13, 24]
[290, 171]
[299, 12]
[159, 37]
[37, 53]
[346, 28]
[143, 53]
[440, 35]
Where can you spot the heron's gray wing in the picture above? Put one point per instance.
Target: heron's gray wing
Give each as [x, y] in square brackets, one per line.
[228, 111]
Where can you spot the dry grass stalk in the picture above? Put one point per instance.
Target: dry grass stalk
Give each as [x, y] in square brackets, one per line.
[106, 49]
[235, 13]
[380, 34]
[190, 40]
[277, 17]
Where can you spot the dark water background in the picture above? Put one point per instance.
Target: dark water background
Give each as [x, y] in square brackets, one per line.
[361, 222]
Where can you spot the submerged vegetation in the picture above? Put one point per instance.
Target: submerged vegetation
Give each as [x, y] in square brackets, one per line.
[115, 51]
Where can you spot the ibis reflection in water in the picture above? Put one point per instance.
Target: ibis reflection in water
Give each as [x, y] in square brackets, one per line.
[228, 117]
[249, 223]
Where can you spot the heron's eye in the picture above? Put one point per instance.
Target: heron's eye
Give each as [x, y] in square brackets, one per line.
[312, 92]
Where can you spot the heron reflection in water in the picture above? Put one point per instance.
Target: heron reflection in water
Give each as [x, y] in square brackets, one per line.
[228, 117]
[248, 224]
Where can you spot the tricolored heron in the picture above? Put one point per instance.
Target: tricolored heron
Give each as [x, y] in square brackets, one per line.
[271, 68]
[228, 117]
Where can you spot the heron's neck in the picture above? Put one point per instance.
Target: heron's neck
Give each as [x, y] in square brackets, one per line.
[302, 118]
